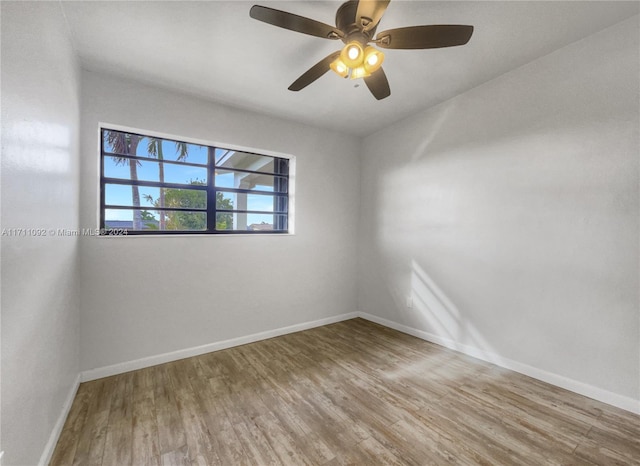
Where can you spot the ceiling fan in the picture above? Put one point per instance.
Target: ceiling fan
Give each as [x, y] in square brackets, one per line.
[356, 24]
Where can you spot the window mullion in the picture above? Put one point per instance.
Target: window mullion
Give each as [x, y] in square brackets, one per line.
[102, 184]
[211, 191]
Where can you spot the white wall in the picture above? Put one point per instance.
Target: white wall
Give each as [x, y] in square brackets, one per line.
[40, 190]
[144, 296]
[509, 215]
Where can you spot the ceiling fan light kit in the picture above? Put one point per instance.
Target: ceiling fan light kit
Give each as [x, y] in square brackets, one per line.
[339, 68]
[355, 62]
[373, 59]
[356, 24]
[352, 54]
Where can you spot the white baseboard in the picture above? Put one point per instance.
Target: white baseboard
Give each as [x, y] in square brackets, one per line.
[98, 373]
[614, 399]
[57, 428]
[599, 394]
[605, 396]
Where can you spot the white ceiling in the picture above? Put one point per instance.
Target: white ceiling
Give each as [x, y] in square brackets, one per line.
[214, 50]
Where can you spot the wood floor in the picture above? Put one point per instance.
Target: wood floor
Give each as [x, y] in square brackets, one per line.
[348, 393]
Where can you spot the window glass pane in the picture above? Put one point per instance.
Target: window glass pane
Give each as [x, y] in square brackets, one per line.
[166, 149]
[236, 221]
[252, 181]
[185, 174]
[184, 198]
[117, 168]
[156, 148]
[119, 142]
[145, 219]
[245, 161]
[127, 169]
[123, 195]
[244, 201]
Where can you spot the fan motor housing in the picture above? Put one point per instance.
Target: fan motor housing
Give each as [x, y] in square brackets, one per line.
[346, 22]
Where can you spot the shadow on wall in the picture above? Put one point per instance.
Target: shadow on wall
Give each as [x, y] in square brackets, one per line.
[442, 113]
[438, 315]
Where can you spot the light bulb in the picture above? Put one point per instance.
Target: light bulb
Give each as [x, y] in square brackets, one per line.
[339, 68]
[359, 72]
[353, 52]
[373, 59]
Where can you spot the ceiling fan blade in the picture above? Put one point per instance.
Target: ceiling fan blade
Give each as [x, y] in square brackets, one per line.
[370, 12]
[424, 37]
[314, 72]
[294, 22]
[378, 84]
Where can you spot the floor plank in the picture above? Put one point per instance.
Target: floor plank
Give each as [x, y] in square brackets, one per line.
[348, 393]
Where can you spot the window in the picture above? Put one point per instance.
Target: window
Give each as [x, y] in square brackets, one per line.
[151, 185]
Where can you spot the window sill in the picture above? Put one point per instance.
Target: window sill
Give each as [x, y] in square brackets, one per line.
[231, 235]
